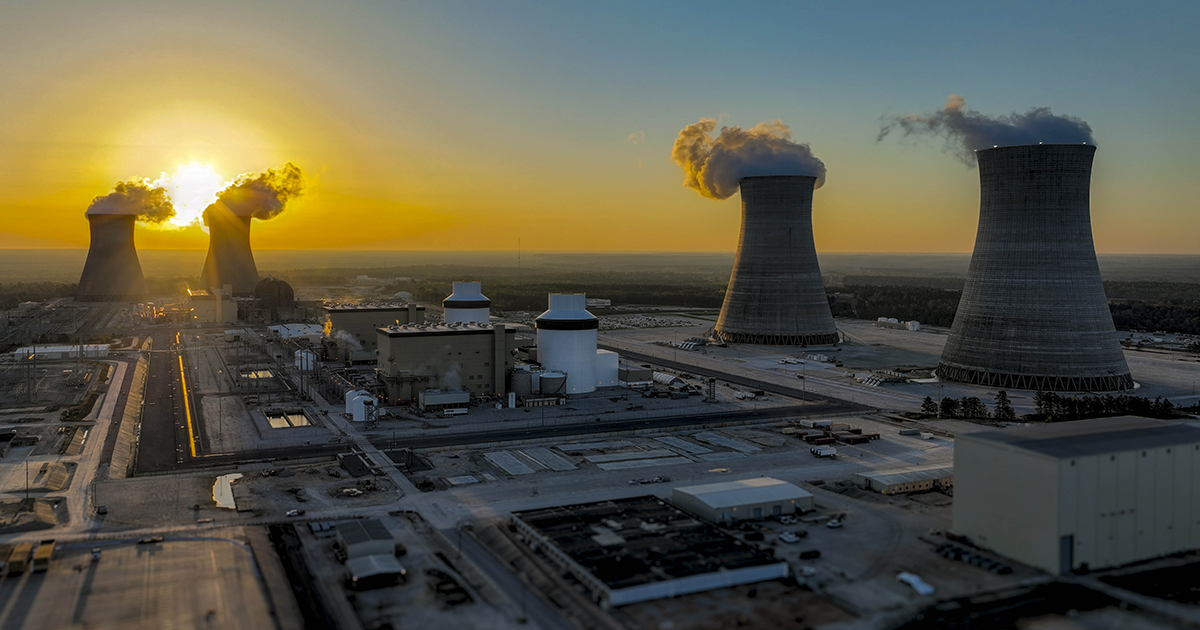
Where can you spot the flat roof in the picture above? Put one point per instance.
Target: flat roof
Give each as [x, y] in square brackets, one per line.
[422, 330]
[1092, 437]
[754, 490]
[640, 540]
[365, 308]
[909, 475]
[375, 564]
[363, 530]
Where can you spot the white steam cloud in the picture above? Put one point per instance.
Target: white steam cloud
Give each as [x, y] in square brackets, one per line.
[967, 131]
[141, 197]
[713, 165]
[262, 195]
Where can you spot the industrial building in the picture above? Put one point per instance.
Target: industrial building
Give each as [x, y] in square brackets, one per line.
[274, 301]
[112, 272]
[776, 294]
[1089, 494]
[350, 329]
[1033, 313]
[365, 537]
[230, 260]
[639, 549]
[211, 306]
[472, 357]
[748, 499]
[49, 352]
[904, 480]
[467, 304]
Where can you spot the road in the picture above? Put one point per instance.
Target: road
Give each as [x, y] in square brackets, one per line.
[535, 609]
[163, 435]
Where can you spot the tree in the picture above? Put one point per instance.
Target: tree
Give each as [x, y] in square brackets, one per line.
[1004, 410]
[972, 407]
[928, 407]
[949, 408]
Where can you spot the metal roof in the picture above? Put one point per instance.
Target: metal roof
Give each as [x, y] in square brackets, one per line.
[374, 564]
[1092, 437]
[755, 490]
[365, 530]
[908, 475]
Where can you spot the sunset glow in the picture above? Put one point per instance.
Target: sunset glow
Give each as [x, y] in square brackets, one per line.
[192, 188]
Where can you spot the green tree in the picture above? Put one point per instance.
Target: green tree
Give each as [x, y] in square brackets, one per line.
[972, 407]
[949, 408]
[1004, 410]
[928, 407]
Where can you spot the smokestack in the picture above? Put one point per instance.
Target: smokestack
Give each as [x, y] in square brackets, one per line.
[112, 272]
[252, 195]
[1033, 314]
[775, 294]
[229, 259]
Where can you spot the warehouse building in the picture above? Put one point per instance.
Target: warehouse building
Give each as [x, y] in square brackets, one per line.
[350, 328]
[476, 358]
[902, 480]
[640, 549]
[365, 537]
[756, 498]
[1094, 493]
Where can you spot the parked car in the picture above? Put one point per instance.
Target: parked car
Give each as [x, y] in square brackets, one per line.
[789, 537]
[295, 512]
[833, 523]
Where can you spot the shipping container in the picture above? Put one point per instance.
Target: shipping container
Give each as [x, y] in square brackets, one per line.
[18, 558]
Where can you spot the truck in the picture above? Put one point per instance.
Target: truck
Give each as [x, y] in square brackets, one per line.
[41, 557]
[18, 558]
[823, 451]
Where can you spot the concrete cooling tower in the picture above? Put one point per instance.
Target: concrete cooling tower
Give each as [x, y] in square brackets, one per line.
[112, 272]
[1033, 314]
[566, 341]
[775, 294]
[467, 304]
[229, 259]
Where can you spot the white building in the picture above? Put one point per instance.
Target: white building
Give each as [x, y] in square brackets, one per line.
[93, 351]
[1095, 493]
[755, 498]
[467, 304]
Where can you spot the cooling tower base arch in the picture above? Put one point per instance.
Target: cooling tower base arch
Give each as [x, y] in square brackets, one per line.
[1111, 383]
[827, 339]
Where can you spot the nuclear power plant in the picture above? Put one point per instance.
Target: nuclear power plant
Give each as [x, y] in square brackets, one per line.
[467, 304]
[230, 260]
[112, 272]
[775, 293]
[1033, 313]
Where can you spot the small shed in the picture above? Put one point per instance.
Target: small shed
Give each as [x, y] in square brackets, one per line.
[755, 498]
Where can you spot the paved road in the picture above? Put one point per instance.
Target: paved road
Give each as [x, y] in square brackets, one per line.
[535, 609]
[159, 443]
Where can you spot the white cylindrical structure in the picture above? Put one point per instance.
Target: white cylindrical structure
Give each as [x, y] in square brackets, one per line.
[566, 335]
[351, 395]
[364, 408]
[467, 304]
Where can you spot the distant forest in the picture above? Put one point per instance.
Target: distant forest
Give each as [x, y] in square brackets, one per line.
[13, 294]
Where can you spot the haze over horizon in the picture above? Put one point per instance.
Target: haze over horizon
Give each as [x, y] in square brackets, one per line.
[465, 127]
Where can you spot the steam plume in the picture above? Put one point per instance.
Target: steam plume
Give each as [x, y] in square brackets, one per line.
[713, 166]
[140, 197]
[967, 131]
[261, 195]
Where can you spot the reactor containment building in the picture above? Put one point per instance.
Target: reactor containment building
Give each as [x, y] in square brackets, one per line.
[1033, 313]
[775, 293]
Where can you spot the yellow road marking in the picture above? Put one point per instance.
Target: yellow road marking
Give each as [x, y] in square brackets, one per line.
[187, 408]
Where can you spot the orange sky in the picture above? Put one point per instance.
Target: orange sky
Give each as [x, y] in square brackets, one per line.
[424, 131]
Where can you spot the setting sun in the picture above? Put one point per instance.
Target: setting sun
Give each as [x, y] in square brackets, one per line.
[192, 188]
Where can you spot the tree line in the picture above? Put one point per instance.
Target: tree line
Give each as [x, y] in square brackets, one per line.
[1051, 407]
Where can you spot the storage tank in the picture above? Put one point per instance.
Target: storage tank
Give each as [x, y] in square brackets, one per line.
[1033, 313]
[522, 382]
[351, 395]
[554, 383]
[467, 304]
[364, 408]
[566, 335]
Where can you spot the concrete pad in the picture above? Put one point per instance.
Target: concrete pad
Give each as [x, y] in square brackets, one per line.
[616, 457]
[717, 457]
[548, 459]
[684, 445]
[709, 437]
[644, 463]
[594, 446]
[507, 462]
[461, 480]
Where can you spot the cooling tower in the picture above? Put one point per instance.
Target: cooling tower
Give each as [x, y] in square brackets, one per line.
[566, 341]
[1033, 314]
[775, 293]
[229, 260]
[112, 272]
[467, 304]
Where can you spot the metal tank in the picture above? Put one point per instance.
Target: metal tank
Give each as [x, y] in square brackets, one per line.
[554, 383]
[566, 340]
[229, 260]
[775, 294]
[112, 272]
[1033, 314]
[467, 304]
[522, 382]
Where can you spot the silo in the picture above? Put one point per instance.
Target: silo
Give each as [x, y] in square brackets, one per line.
[229, 260]
[553, 383]
[1033, 314]
[467, 304]
[566, 335]
[775, 294]
[112, 272]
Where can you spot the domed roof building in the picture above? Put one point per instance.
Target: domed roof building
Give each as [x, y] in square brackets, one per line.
[274, 295]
